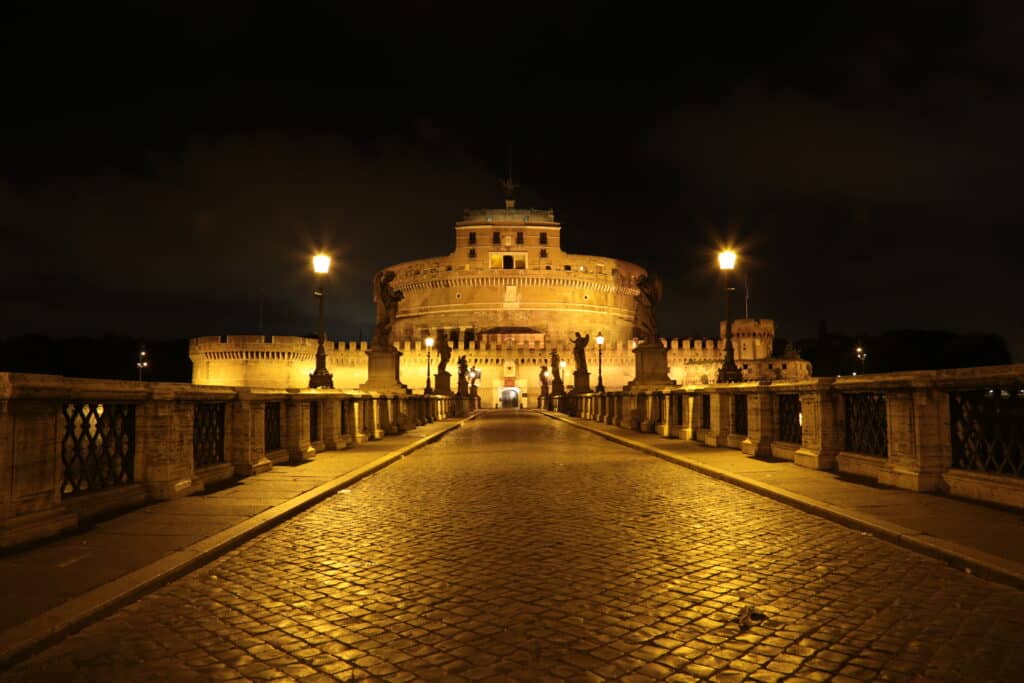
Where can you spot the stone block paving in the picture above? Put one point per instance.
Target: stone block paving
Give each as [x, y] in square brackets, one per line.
[519, 548]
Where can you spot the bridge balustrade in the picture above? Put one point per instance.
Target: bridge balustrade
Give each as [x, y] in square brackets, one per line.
[959, 431]
[73, 449]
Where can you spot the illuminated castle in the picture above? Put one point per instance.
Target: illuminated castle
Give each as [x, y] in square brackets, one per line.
[506, 297]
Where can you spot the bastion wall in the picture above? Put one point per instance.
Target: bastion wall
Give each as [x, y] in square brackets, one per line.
[286, 362]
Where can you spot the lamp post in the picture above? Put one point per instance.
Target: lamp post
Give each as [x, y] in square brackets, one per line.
[600, 350]
[143, 362]
[862, 356]
[429, 341]
[728, 372]
[320, 378]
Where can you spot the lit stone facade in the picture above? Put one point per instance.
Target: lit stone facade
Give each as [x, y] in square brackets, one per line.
[508, 270]
[506, 296]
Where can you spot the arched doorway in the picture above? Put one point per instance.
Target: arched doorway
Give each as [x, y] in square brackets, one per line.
[510, 397]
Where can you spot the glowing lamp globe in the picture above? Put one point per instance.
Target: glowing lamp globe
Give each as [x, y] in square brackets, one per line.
[321, 264]
[727, 259]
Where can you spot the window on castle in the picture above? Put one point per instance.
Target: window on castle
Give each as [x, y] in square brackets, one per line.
[519, 238]
[543, 253]
[512, 261]
[543, 238]
[472, 253]
[495, 238]
[568, 267]
[472, 238]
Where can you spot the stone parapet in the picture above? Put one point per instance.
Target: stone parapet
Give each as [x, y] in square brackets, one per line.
[74, 448]
[954, 431]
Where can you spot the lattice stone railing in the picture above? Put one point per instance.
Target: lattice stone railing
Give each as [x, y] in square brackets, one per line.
[867, 428]
[98, 447]
[987, 430]
[208, 434]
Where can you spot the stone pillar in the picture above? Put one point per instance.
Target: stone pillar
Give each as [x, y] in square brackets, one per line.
[443, 383]
[760, 422]
[721, 419]
[244, 442]
[651, 362]
[581, 382]
[378, 414]
[628, 419]
[684, 427]
[30, 475]
[330, 423]
[614, 416]
[645, 404]
[388, 415]
[163, 442]
[295, 430]
[822, 432]
[664, 425]
[919, 439]
[358, 420]
[383, 371]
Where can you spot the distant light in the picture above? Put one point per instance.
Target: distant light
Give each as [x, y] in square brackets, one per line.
[321, 264]
[600, 339]
[727, 259]
[429, 341]
[562, 364]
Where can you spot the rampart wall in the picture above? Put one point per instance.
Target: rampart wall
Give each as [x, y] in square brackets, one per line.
[281, 362]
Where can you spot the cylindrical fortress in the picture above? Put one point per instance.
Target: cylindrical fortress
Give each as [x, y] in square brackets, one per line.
[508, 276]
[507, 297]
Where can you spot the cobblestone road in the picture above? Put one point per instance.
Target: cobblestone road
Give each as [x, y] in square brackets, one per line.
[521, 548]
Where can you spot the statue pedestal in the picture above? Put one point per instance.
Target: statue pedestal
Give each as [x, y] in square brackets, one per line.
[581, 382]
[443, 383]
[651, 367]
[463, 387]
[382, 372]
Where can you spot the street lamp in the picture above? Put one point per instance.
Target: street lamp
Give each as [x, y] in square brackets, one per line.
[728, 372]
[862, 356]
[429, 341]
[320, 378]
[600, 349]
[143, 362]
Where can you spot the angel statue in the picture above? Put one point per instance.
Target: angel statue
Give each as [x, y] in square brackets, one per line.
[645, 326]
[579, 351]
[444, 350]
[386, 298]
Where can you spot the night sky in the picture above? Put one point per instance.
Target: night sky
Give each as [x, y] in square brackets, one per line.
[163, 170]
